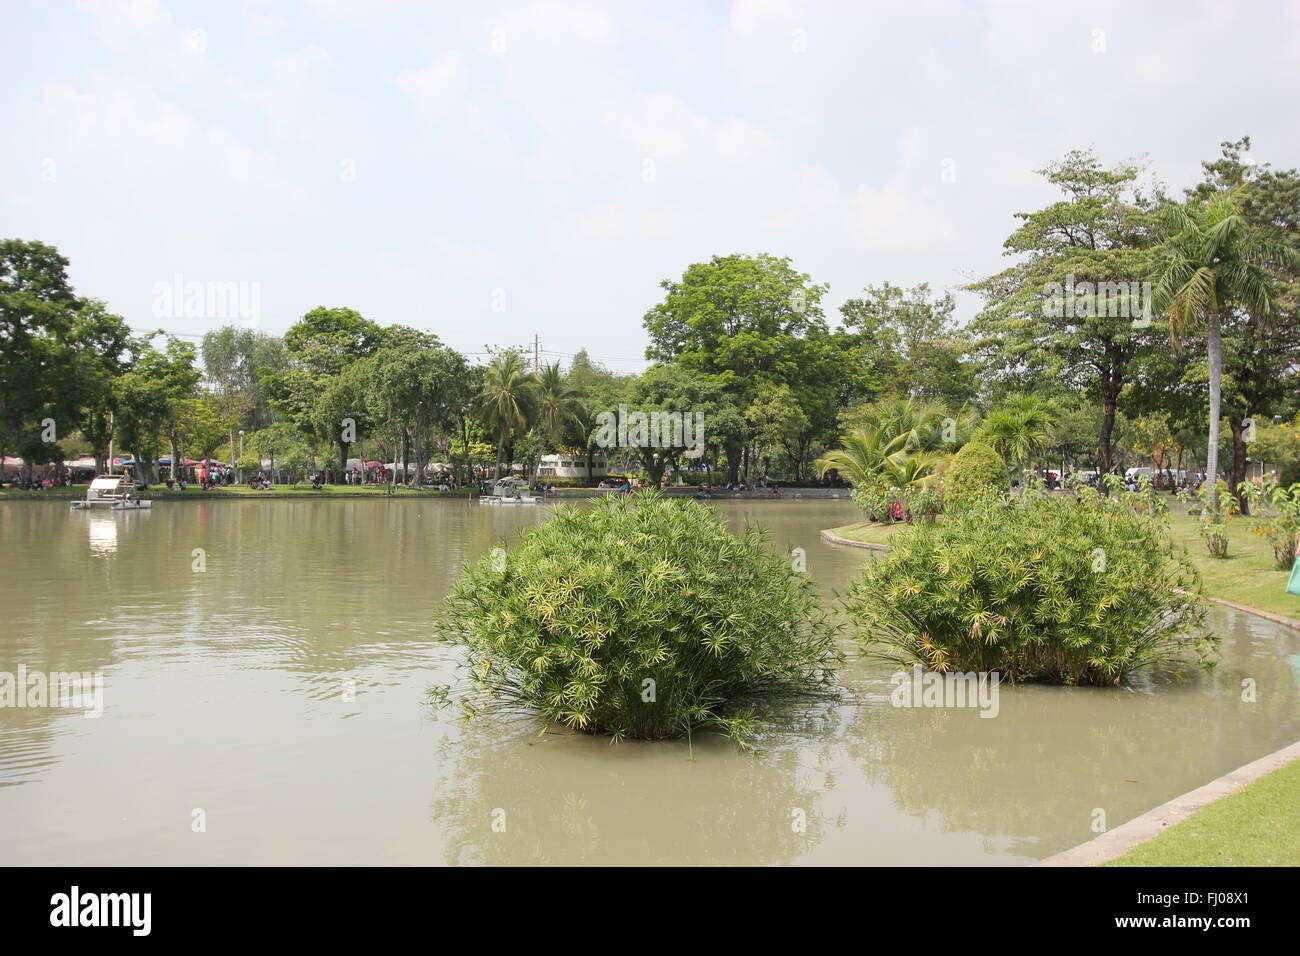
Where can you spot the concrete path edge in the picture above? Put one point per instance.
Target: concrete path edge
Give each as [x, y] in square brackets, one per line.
[1115, 843]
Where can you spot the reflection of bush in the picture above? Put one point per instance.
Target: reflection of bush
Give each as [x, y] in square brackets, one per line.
[573, 799]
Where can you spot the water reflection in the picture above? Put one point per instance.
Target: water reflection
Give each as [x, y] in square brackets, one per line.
[510, 796]
[102, 529]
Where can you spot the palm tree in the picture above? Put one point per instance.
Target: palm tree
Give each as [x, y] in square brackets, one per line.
[919, 423]
[507, 400]
[558, 405]
[864, 454]
[1211, 262]
[872, 457]
[1020, 428]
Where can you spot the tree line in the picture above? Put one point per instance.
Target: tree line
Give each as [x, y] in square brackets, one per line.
[1129, 325]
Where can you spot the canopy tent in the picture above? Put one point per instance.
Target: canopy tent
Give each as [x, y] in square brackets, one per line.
[81, 464]
[12, 463]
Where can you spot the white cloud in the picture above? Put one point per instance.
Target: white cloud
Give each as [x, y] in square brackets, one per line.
[436, 86]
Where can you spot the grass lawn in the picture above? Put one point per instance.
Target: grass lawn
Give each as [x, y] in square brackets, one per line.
[1246, 576]
[1259, 825]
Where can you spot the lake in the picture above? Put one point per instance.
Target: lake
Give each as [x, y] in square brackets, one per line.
[271, 709]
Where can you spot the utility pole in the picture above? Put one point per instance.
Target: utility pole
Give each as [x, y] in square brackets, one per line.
[537, 354]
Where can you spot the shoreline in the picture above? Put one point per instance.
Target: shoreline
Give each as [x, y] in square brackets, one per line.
[76, 493]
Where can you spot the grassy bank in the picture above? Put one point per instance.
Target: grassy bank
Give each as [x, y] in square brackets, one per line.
[1259, 825]
[1246, 576]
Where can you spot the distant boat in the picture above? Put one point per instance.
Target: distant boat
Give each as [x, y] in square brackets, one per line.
[112, 493]
[506, 491]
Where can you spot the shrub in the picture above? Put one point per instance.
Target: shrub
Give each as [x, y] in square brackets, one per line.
[1282, 526]
[1214, 515]
[640, 617]
[1040, 589]
[976, 472]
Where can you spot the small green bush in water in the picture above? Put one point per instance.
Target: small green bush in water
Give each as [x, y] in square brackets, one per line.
[641, 617]
[1043, 589]
[976, 473]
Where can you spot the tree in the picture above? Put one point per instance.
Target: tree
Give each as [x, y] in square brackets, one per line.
[669, 391]
[776, 420]
[103, 350]
[311, 389]
[200, 427]
[904, 341]
[1261, 351]
[152, 397]
[37, 320]
[863, 455]
[280, 441]
[1209, 264]
[558, 408]
[1019, 429]
[1072, 310]
[412, 390]
[748, 321]
[507, 401]
[235, 360]
[599, 390]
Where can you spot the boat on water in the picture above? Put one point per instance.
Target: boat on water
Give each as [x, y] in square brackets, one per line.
[112, 493]
[509, 491]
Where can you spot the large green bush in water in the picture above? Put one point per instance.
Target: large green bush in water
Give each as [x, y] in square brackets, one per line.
[976, 473]
[1046, 588]
[640, 617]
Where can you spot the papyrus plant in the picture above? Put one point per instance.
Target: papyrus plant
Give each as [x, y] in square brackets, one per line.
[1046, 588]
[641, 617]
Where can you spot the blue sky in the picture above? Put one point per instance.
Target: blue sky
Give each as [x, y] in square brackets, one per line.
[494, 171]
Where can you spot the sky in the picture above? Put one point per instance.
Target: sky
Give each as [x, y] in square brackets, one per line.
[491, 172]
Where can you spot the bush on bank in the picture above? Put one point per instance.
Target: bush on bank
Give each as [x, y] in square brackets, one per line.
[1039, 589]
[976, 473]
[640, 617]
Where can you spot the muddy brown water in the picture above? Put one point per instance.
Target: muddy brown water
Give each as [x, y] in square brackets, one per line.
[270, 709]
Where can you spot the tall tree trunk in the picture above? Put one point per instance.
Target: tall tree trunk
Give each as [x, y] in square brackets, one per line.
[1214, 341]
[733, 463]
[1107, 428]
[1238, 428]
[343, 461]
